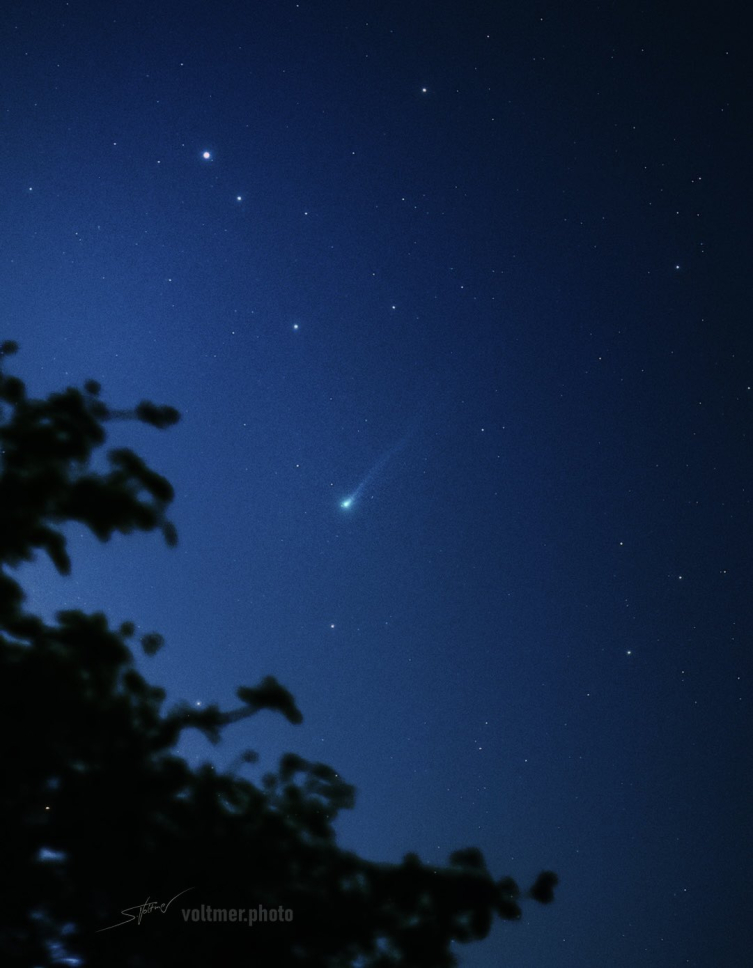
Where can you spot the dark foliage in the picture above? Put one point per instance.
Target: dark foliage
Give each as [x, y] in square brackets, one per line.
[98, 813]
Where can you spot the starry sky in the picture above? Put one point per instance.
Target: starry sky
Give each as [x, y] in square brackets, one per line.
[484, 269]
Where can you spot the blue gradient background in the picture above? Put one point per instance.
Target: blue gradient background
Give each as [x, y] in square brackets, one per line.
[532, 633]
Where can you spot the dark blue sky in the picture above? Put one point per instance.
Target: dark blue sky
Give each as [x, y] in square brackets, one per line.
[510, 243]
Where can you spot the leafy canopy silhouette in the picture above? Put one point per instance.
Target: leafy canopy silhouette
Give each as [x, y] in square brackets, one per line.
[99, 812]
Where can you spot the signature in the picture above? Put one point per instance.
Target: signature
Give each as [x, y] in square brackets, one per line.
[146, 908]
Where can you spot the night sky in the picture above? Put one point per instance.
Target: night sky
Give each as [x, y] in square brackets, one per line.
[484, 268]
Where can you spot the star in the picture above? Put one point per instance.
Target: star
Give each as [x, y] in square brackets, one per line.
[206, 155]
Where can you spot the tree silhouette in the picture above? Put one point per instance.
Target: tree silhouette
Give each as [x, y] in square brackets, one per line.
[97, 808]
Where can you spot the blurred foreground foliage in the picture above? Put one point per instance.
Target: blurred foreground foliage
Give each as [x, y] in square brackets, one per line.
[98, 812]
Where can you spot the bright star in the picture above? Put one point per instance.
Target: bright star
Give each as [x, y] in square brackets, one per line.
[206, 155]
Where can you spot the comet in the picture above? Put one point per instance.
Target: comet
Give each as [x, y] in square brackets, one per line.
[349, 502]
